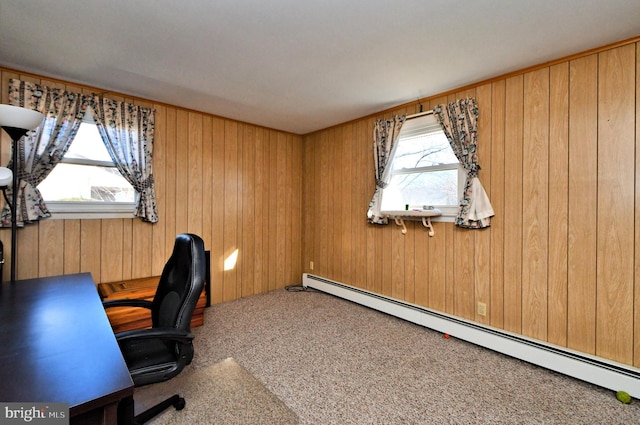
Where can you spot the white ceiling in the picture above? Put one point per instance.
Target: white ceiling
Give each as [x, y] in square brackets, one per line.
[299, 65]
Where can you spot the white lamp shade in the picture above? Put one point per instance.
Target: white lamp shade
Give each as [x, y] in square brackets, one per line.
[6, 176]
[18, 117]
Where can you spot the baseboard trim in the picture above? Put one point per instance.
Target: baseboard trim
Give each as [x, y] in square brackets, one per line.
[592, 369]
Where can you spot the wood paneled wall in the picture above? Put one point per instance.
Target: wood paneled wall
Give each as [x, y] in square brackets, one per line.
[558, 147]
[237, 185]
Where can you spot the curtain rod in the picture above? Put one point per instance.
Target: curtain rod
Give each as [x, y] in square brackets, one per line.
[419, 114]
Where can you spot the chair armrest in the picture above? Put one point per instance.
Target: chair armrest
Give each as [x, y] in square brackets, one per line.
[127, 303]
[170, 334]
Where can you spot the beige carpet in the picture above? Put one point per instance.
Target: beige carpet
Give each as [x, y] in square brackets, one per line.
[224, 393]
[334, 362]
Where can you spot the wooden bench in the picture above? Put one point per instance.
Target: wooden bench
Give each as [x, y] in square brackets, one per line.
[128, 318]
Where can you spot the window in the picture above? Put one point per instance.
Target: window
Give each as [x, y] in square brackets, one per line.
[86, 181]
[423, 169]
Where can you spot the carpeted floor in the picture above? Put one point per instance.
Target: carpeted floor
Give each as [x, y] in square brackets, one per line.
[223, 393]
[334, 362]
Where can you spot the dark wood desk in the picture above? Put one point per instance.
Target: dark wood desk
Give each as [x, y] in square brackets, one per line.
[56, 345]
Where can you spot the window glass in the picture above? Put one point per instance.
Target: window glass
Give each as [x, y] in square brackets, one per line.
[88, 144]
[86, 180]
[86, 183]
[435, 188]
[424, 171]
[425, 150]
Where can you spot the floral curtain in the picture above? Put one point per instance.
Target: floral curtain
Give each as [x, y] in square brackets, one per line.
[40, 150]
[459, 123]
[385, 136]
[127, 131]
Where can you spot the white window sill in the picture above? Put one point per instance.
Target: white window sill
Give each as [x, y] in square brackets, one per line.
[444, 218]
[447, 214]
[90, 210]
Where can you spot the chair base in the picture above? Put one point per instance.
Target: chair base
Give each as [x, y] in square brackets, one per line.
[126, 410]
[144, 417]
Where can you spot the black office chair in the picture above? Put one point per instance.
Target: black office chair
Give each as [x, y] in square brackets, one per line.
[162, 351]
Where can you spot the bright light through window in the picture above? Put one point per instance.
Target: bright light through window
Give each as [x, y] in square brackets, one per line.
[85, 183]
[86, 173]
[424, 169]
[91, 146]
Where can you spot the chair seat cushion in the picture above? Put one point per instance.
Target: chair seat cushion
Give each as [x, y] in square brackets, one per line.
[150, 360]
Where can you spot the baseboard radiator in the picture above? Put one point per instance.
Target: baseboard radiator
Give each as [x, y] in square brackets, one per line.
[592, 369]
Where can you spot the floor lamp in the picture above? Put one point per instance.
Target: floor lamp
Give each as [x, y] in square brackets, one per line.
[17, 122]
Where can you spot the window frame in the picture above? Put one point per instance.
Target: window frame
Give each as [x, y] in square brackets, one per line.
[449, 212]
[91, 209]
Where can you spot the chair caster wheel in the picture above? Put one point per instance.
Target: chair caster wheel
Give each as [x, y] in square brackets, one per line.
[179, 404]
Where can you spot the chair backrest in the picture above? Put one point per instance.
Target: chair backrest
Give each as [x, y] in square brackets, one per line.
[181, 284]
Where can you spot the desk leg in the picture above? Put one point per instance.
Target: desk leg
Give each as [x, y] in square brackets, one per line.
[126, 413]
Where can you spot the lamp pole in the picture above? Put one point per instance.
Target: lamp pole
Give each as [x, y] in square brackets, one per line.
[14, 196]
